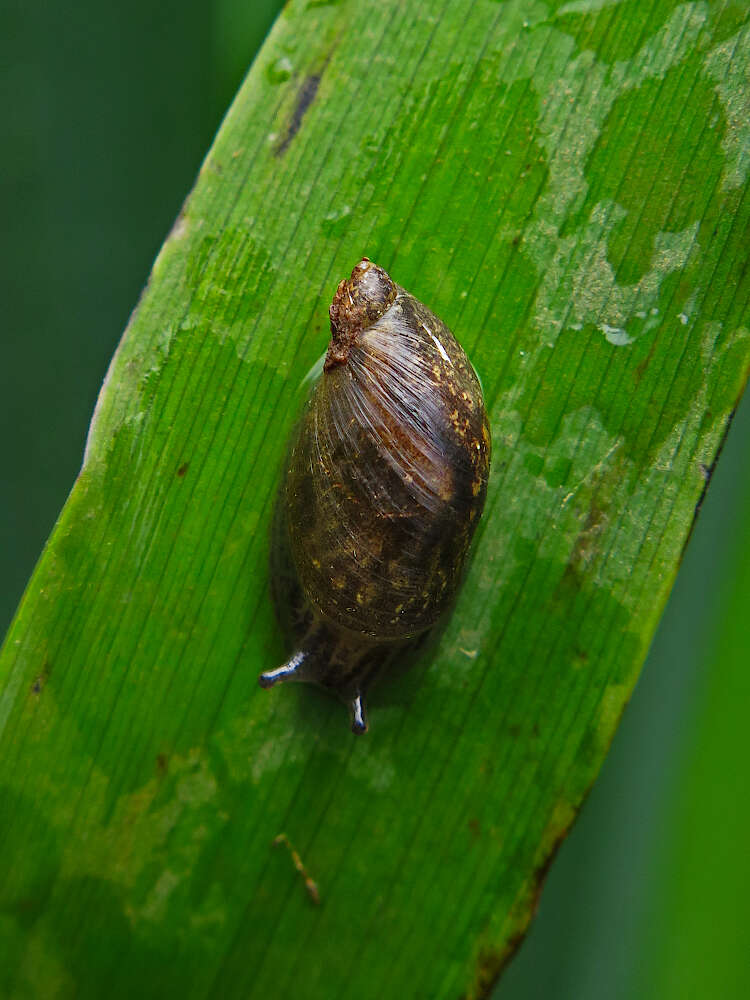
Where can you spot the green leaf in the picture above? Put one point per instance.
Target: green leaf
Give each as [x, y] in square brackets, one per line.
[566, 186]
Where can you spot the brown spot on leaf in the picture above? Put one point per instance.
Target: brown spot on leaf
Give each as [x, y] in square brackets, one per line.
[587, 542]
[182, 469]
[305, 97]
[41, 679]
[707, 472]
[640, 369]
[310, 885]
[492, 961]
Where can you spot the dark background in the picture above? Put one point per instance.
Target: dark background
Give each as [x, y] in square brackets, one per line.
[107, 113]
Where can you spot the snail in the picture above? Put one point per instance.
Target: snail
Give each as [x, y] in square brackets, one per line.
[384, 484]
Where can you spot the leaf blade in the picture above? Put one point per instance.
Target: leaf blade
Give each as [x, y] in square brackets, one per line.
[161, 776]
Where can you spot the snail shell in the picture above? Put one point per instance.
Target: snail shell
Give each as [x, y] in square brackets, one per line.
[385, 482]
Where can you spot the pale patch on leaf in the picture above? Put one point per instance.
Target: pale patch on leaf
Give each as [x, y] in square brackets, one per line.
[727, 64]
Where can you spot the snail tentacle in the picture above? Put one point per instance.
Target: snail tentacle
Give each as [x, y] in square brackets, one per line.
[359, 715]
[286, 672]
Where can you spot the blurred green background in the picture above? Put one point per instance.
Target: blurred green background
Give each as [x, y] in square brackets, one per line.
[108, 112]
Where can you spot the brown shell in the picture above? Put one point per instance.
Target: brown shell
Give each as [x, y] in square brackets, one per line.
[386, 476]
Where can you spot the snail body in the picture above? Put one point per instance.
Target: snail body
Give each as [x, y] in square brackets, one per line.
[385, 482]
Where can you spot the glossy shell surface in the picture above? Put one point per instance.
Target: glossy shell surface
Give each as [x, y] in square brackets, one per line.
[384, 484]
[388, 475]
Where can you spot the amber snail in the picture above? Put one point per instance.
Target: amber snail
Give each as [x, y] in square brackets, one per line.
[384, 484]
